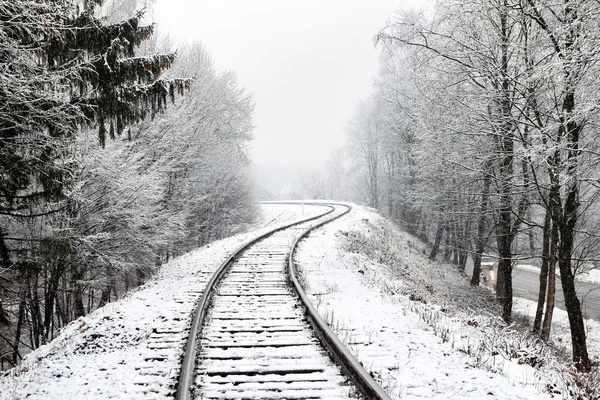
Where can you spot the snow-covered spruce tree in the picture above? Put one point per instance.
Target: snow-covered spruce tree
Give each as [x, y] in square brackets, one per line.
[61, 69]
[120, 88]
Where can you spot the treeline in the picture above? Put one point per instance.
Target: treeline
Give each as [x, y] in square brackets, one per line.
[116, 154]
[482, 137]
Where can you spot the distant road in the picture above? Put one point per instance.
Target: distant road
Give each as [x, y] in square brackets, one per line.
[526, 284]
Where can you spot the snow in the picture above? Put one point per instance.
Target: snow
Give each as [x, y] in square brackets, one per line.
[416, 325]
[131, 349]
[591, 276]
[275, 213]
[560, 334]
[420, 348]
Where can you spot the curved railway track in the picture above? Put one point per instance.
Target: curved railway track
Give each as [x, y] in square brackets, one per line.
[255, 335]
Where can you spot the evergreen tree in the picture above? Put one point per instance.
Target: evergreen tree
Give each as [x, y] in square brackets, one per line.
[62, 69]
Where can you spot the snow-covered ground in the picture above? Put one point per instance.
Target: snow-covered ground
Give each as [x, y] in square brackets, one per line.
[417, 325]
[592, 276]
[118, 351]
[560, 334]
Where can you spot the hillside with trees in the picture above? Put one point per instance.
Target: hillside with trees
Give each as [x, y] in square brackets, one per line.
[118, 151]
[481, 137]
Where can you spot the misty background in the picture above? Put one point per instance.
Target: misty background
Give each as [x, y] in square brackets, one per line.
[308, 64]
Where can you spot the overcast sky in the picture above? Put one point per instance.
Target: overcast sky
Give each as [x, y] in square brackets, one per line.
[307, 63]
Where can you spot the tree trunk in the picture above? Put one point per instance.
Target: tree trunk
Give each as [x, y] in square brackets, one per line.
[462, 262]
[391, 182]
[531, 240]
[567, 218]
[480, 241]
[567, 279]
[4, 255]
[105, 296]
[566, 41]
[111, 287]
[63, 303]
[547, 325]
[455, 244]
[463, 245]
[448, 243]
[504, 287]
[438, 238]
[475, 277]
[17, 338]
[4, 264]
[49, 300]
[537, 322]
[423, 228]
[504, 239]
[76, 278]
[35, 310]
[504, 228]
[565, 251]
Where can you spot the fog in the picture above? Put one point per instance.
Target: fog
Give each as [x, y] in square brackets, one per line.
[307, 63]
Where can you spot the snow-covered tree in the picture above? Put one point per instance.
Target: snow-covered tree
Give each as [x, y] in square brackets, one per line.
[180, 181]
[62, 70]
[508, 107]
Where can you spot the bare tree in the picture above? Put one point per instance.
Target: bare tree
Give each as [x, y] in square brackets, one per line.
[365, 136]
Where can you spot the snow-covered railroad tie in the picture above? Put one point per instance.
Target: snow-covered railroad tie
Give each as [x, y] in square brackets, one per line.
[251, 337]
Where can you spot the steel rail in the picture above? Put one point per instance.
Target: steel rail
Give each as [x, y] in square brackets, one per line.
[353, 368]
[186, 374]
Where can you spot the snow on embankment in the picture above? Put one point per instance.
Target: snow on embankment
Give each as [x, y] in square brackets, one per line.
[416, 324]
[119, 351]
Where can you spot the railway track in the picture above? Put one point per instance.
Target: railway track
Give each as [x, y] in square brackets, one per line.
[255, 335]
